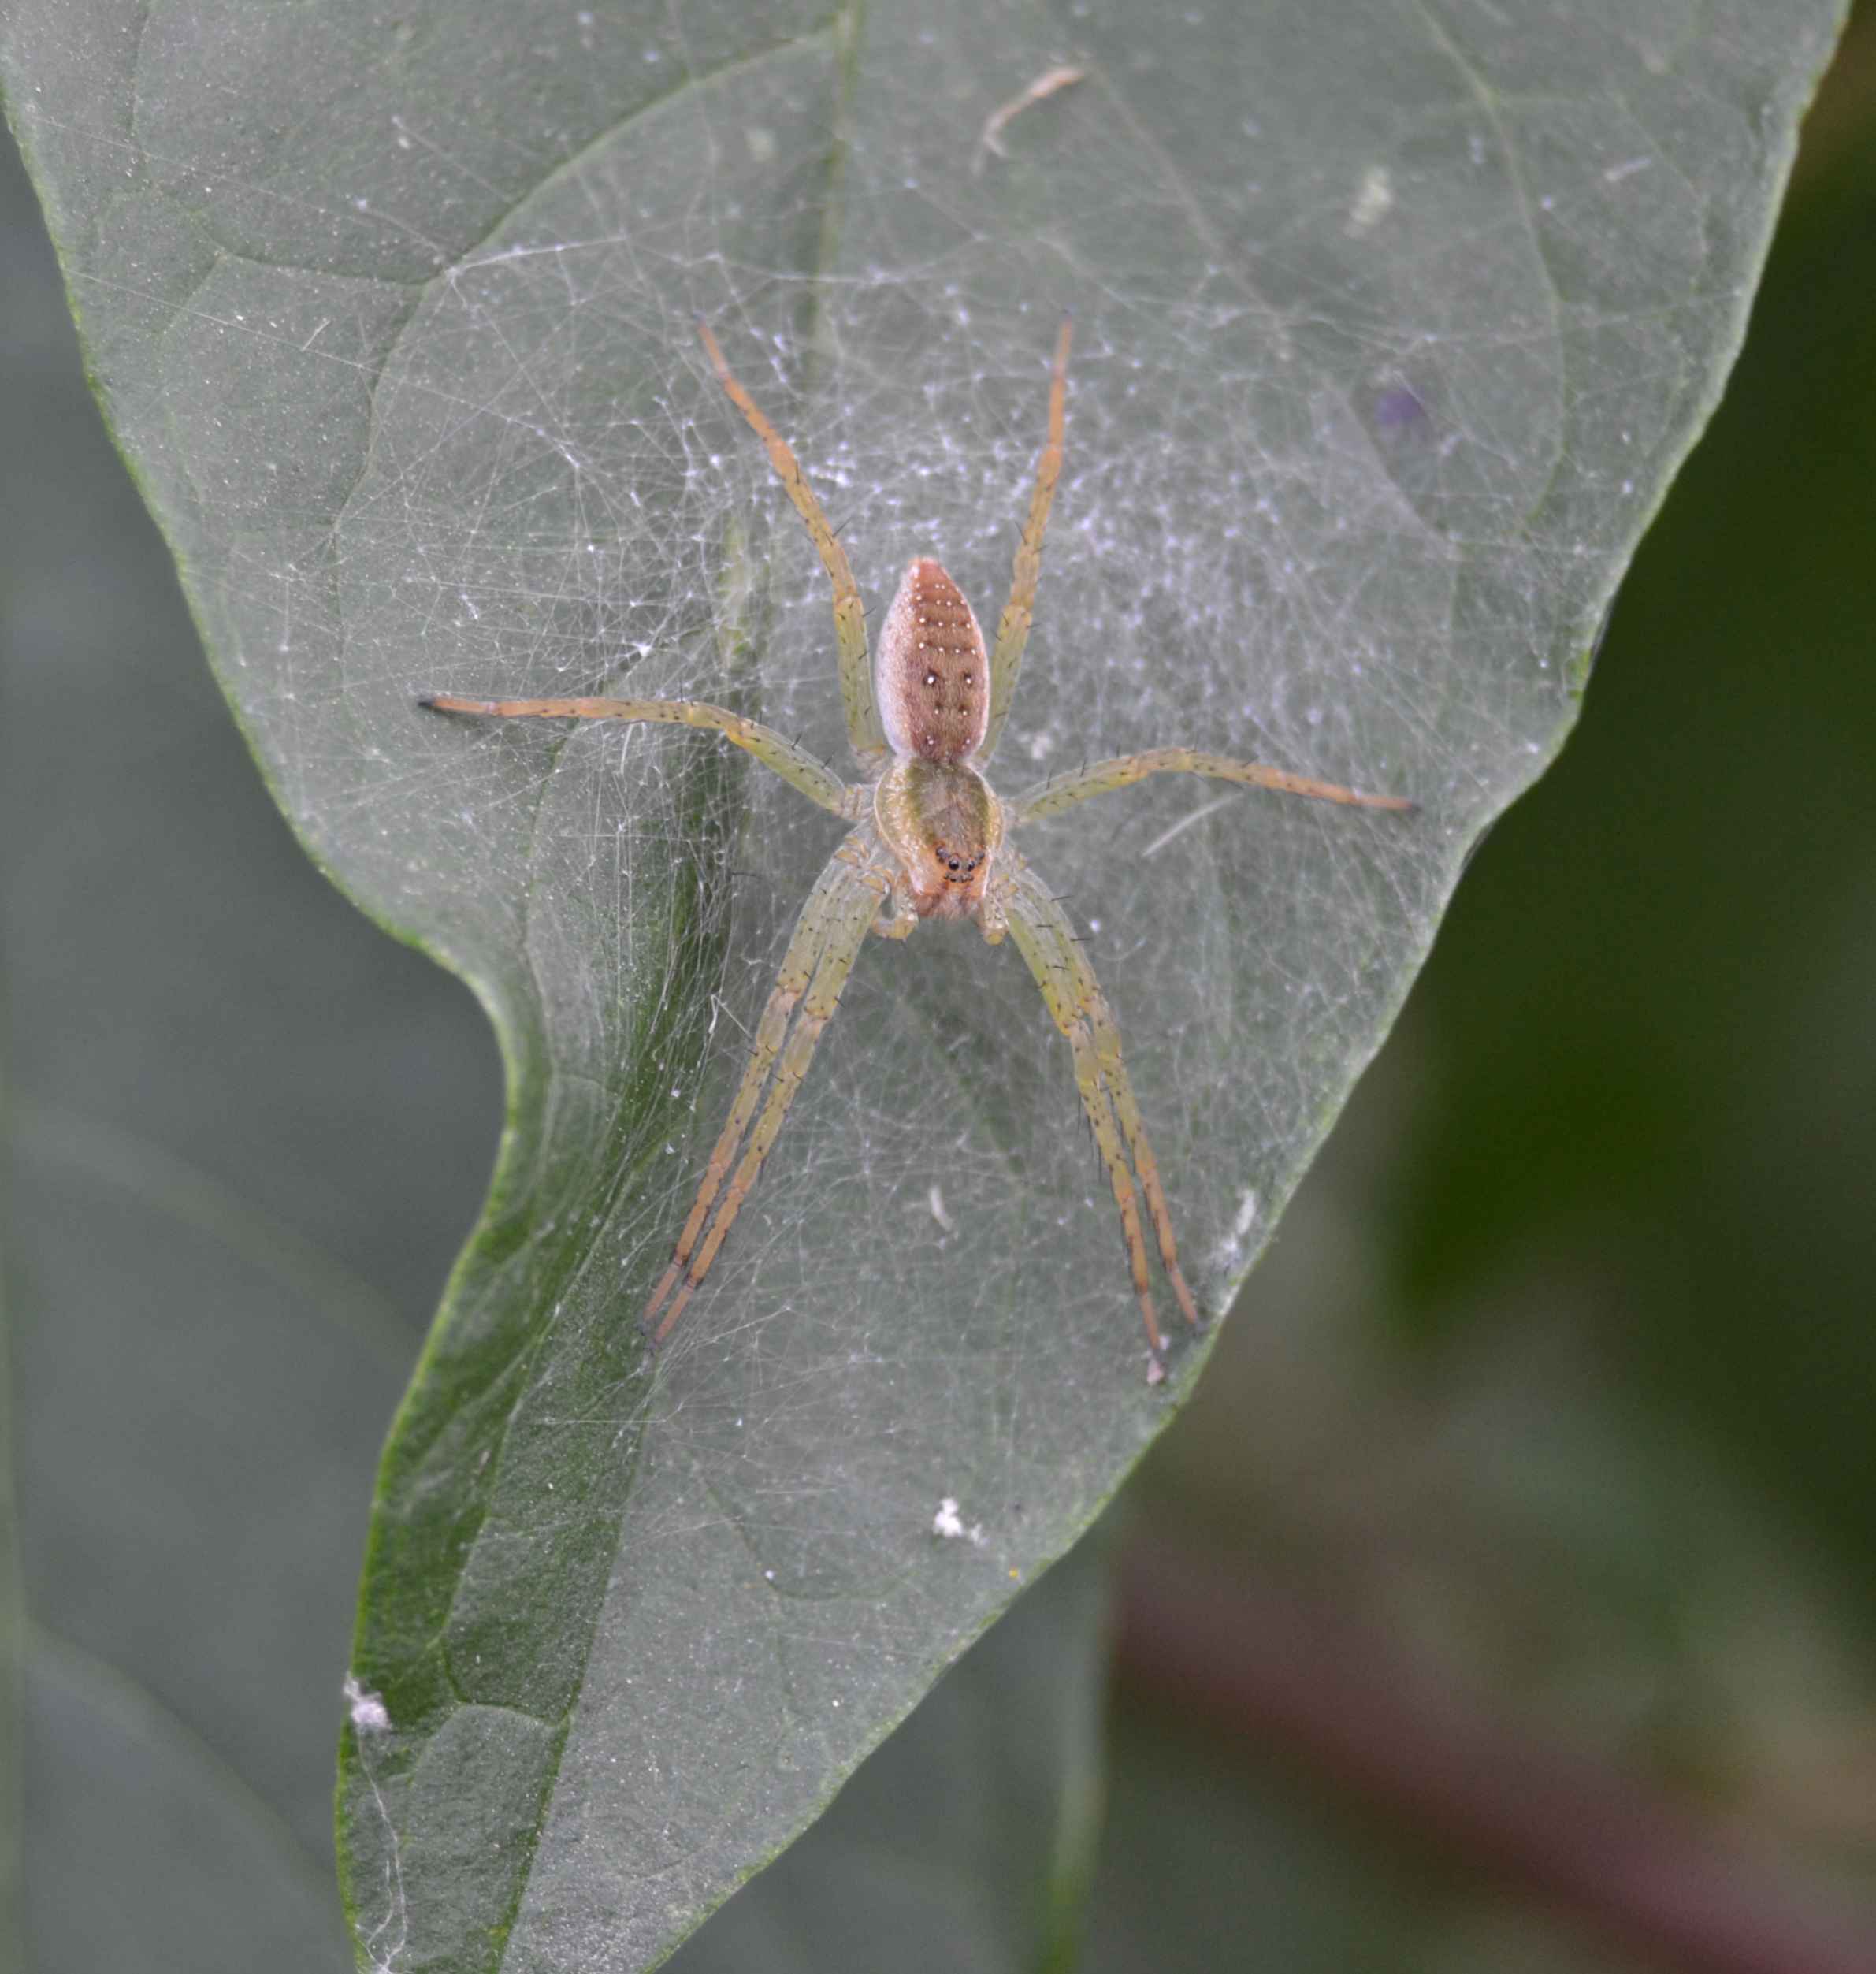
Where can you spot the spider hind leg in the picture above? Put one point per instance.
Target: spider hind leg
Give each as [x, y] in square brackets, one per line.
[1073, 996]
[827, 936]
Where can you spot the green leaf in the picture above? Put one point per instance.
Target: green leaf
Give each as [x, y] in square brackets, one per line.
[1390, 329]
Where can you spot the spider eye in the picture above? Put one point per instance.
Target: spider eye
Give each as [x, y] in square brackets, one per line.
[954, 863]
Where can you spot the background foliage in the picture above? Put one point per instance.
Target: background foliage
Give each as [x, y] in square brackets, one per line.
[1553, 1399]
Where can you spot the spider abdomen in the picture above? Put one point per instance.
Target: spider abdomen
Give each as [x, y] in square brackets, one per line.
[931, 674]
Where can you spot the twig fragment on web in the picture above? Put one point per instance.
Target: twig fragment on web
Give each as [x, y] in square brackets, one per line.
[1046, 84]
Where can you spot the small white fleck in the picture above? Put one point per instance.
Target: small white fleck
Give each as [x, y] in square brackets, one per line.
[1627, 169]
[1373, 198]
[1229, 1252]
[937, 1200]
[949, 1524]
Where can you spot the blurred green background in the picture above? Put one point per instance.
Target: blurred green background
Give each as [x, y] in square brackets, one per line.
[1530, 1504]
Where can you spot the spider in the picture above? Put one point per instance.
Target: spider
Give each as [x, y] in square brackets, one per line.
[928, 840]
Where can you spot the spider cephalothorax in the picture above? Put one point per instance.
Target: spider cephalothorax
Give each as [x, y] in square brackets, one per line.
[928, 842]
[942, 822]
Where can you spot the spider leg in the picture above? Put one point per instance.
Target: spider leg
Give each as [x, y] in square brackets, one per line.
[1047, 942]
[1102, 777]
[863, 728]
[1012, 626]
[794, 764]
[827, 936]
[805, 946]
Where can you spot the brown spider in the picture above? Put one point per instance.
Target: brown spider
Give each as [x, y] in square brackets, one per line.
[930, 840]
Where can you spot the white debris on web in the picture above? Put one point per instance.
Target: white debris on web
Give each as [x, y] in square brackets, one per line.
[383, 1941]
[939, 1212]
[369, 1713]
[989, 143]
[1229, 1254]
[1185, 823]
[1373, 200]
[948, 1523]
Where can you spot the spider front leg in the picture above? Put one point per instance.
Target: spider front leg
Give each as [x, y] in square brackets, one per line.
[1047, 942]
[1012, 626]
[863, 729]
[827, 936]
[775, 751]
